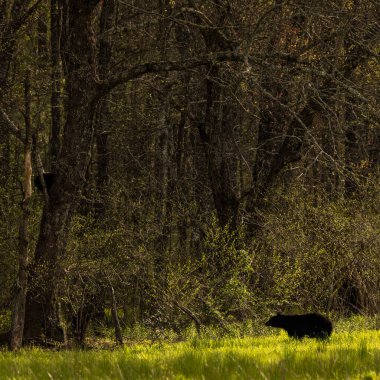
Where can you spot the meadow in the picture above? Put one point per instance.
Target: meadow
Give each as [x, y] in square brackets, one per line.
[346, 355]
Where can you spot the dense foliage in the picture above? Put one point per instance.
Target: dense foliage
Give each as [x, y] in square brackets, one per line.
[213, 161]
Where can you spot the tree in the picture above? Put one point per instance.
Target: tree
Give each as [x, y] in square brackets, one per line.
[155, 116]
[18, 315]
[84, 89]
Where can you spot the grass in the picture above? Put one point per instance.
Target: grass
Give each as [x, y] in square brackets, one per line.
[353, 355]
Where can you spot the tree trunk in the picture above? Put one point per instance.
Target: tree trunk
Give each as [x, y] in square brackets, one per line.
[4, 155]
[216, 135]
[103, 119]
[115, 318]
[216, 132]
[18, 316]
[41, 316]
[55, 99]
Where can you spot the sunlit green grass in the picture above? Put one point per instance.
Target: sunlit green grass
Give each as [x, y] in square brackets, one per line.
[346, 355]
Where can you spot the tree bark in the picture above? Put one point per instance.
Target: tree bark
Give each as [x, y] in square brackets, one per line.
[81, 88]
[115, 318]
[216, 135]
[102, 127]
[55, 99]
[216, 131]
[18, 315]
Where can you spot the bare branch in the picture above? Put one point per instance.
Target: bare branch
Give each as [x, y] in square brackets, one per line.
[11, 127]
[139, 70]
[20, 21]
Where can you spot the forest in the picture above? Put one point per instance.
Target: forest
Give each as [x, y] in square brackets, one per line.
[177, 163]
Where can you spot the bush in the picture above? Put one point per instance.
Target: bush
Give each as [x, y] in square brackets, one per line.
[324, 256]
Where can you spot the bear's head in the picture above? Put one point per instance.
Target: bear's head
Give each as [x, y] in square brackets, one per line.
[275, 321]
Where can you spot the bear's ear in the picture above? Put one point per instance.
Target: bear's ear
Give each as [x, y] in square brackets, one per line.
[278, 313]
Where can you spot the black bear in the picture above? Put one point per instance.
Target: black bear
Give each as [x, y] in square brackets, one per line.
[49, 179]
[313, 325]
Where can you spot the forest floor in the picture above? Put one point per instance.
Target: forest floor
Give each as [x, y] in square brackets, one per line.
[346, 355]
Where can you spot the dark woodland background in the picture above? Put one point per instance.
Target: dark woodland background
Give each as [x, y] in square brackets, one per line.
[213, 161]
